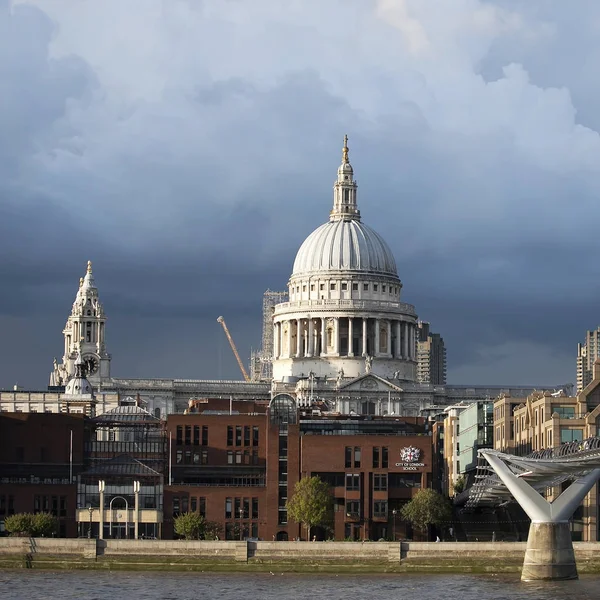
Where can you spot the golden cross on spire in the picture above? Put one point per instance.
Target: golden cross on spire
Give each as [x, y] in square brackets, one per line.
[345, 150]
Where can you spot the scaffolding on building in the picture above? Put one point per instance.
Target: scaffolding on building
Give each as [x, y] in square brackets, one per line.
[261, 361]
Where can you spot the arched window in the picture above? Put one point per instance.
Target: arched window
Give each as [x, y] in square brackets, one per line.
[282, 410]
[157, 413]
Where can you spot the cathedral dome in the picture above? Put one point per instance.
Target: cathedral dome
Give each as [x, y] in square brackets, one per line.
[345, 245]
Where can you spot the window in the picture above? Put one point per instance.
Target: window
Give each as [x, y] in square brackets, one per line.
[357, 454]
[404, 480]
[312, 287]
[179, 439]
[344, 286]
[565, 412]
[204, 457]
[238, 435]
[303, 288]
[202, 507]
[204, 435]
[255, 508]
[255, 435]
[230, 457]
[238, 457]
[380, 509]
[254, 457]
[196, 435]
[188, 435]
[383, 288]
[246, 435]
[228, 508]
[376, 458]
[188, 457]
[375, 287]
[366, 287]
[348, 461]
[322, 286]
[384, 457]
[352, 482]
[179, 457]
[353, 508]
[355, 287]
[246, 508]
[185, 507]
[570, 435]
[229, 435]
[193, 504]
[380, 482]
[175, 506]
[332, 286]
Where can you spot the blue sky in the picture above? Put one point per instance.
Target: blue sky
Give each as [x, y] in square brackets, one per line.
[187, 147]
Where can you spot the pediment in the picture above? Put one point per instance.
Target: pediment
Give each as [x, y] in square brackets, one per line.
[370, 383]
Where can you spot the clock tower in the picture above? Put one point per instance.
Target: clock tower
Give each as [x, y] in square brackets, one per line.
[84, 336]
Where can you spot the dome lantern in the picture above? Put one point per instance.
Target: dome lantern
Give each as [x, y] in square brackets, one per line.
[344, 190]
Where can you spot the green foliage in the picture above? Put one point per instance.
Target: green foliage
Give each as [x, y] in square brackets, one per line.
[190, 525]
[34, 525]
[459, 484]
[212, 530]
[311, 503]
[427, 508]
[44, 524]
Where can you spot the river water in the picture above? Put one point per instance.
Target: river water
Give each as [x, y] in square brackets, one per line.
[94, 585]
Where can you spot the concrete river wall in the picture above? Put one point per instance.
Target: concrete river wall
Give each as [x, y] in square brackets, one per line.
[351, 557]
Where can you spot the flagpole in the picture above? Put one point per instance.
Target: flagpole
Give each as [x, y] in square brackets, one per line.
[71, 458]
[170, 458]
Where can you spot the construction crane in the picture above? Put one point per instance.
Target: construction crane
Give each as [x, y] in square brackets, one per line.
[221, 320]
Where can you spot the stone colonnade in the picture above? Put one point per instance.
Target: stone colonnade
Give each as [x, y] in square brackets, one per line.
[345, 336]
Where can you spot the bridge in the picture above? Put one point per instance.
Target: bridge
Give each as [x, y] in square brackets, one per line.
[501, 477]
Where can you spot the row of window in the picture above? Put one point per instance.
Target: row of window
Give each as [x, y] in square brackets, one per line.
[183, 435]
[353, 457]
[381, 481]
[241, 508]
[242, 458]
[56, 505]
[189, 457]
[184, 504]
[344, 287]
[250, 435]
[380, 509]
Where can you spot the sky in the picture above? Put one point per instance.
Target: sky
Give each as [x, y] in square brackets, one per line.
[188, 147]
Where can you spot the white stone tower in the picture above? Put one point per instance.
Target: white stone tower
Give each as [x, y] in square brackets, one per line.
[344, 317]
[84, 334]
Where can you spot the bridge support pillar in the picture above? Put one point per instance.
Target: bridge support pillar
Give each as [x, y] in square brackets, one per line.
[549, 553]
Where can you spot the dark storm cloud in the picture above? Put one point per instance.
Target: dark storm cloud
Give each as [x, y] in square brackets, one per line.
[189, 148]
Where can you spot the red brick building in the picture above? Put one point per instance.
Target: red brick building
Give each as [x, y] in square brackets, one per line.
[40, 457]
[239, 465]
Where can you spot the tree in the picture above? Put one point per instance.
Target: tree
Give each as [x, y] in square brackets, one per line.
[311, 503]
[459, 484]
[44, 524]
[19, 524]
[427, 508]
[190, 525]
[34, 525]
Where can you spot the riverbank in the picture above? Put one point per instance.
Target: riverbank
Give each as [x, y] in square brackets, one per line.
[289, 557]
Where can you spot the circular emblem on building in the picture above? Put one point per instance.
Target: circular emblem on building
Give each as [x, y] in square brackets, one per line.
[410, 454]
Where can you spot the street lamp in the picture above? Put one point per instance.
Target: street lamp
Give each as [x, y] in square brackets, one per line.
[241, 511]
[394, 512]
[91, 511]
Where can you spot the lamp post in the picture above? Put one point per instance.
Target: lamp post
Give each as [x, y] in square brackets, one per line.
[91, 511]
[241, 511]
[394, 512]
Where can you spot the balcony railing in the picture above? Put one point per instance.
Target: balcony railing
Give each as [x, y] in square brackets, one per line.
[368, 305]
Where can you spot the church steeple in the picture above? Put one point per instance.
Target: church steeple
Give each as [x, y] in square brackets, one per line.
[344, 190]
[84, 336]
